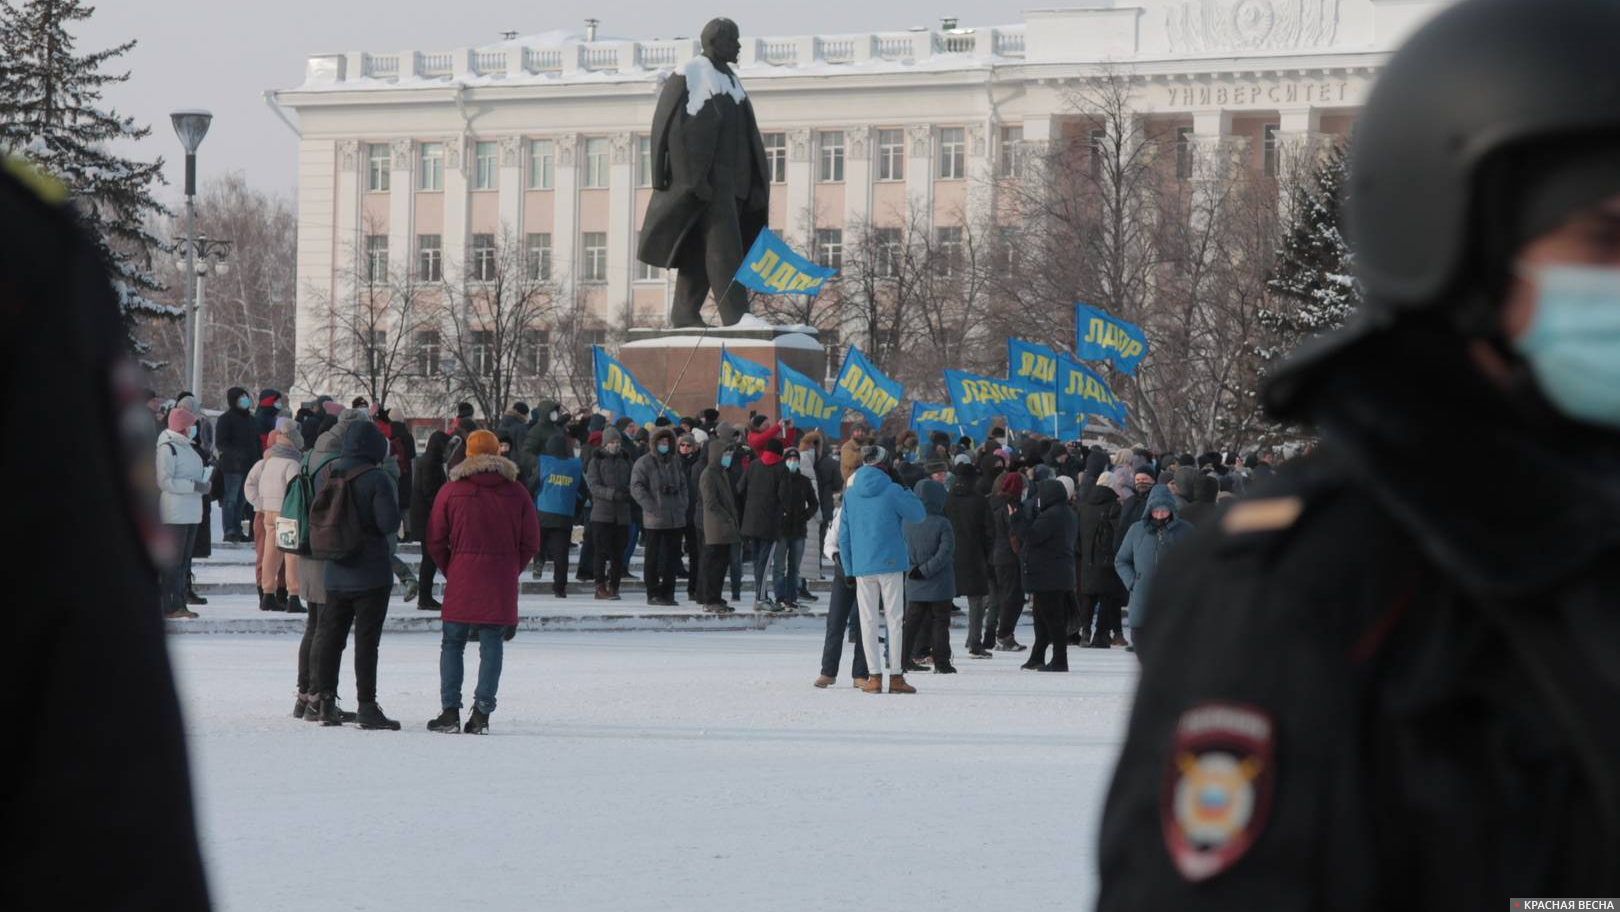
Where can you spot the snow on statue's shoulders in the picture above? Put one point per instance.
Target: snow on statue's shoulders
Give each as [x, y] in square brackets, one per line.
[703, 82]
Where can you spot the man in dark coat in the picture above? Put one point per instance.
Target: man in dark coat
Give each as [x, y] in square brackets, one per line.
[1048, 553]
[427, 477]
[358, 585]
[761, 502]
[607, 476]
[1100, 589]
[98, 809]
[969, 513]
[659, 482]
[236, 439]
[797, 497]
[722, 523]
[1203, 510]
[1133, 507]
[1363, 689]
[711, 191]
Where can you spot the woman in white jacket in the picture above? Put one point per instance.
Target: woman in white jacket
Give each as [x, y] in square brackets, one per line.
[181, 486]
[265, 489]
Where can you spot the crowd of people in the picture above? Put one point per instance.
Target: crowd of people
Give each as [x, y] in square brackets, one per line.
[905, 525]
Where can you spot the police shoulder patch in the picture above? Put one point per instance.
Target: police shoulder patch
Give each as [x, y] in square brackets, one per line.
[1217, 787]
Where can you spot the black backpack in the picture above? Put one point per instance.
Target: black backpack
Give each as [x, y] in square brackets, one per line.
[335, 532]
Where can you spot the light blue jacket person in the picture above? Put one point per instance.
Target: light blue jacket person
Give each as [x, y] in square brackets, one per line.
[871, 539]
[931, 545]
[1144, 547]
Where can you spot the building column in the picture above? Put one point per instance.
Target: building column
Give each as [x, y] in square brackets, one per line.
[318, 246]
[981, 175]
[350, 243]
[565, 200]
[621, 241]
[510, 191]
[920, 170]
[1299, 141]
[456, 200]
[1212, 161]
[401, 212]
[858, 176]
[801, 181]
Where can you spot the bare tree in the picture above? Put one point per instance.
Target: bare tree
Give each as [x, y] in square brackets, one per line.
[496, 323]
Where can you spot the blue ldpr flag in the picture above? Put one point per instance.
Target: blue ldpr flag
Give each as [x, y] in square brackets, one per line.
[1081, 392]
[1100, 337]
[928, 417]
[1031, 364]
[741, 380]
[861, 387]
[771, 267]
[802, 399]
[979, 398]
[1043, 416]
[618, 390]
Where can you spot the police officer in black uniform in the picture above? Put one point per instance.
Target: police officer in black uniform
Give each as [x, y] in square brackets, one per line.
[1389, 679]
[97, 811]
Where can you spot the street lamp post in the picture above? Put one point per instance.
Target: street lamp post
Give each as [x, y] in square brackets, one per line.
[191, 126]
[204, 257]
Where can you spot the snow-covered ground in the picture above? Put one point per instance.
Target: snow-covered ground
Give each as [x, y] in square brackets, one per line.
[657, 771]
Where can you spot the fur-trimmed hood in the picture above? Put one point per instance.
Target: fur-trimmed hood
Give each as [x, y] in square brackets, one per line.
[474, 465]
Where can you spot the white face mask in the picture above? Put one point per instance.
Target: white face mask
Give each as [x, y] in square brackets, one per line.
[554, 414]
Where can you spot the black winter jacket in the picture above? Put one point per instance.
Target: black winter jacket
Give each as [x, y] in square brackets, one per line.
[975, 532]
[1048, 542]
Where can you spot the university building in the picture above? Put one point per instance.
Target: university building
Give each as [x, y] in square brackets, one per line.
[429, 160]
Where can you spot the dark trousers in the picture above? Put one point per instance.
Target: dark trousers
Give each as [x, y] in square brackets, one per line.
[663, 559]
[712, 573]
[928, 630]
[692, 544]
[1105, 608]
[554, 545]
[429, 570]
[608, 540]
[306, 644]
[1009, 602]
[174, 577]
[762, 566]
[364, 611]
[1050, 630]
[587, 553]
[840, 609]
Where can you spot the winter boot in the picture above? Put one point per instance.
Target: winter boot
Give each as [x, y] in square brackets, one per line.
[412, 588]
[825, 682]
[860, 683]
[944, 668]
[267, 602]
[294, 606]
[874, 684]
[371, 718]
[559, 592]
[602, 593]
[613, 590]
[281, 598]
[301, 706]
[328, 713]
[477, 723]
[1009, 644]
[898, 685]
[449, 722]
[428, 603]
[192, 598]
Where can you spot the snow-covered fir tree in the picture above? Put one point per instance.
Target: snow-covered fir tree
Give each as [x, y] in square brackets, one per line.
[51, 113]
[1312, 286]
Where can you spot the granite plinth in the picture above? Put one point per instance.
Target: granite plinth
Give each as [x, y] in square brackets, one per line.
[684, 364]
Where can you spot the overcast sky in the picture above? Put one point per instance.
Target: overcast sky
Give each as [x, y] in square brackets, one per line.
[222, 54]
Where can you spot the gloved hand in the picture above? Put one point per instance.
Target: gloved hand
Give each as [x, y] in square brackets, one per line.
[916, 573]
[509, 634]
[201, 486]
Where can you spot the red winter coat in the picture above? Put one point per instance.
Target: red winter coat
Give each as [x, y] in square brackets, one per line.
[758, 439]
[482, 534]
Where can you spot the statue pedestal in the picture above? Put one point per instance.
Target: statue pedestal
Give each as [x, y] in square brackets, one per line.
[659, 356]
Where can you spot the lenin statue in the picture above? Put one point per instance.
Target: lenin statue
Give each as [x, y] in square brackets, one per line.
[711, 189]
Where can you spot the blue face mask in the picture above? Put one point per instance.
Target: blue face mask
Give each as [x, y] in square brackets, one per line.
[244, 402]
[1573, 343]
[725, 461]
[663, 448]
[793, 465]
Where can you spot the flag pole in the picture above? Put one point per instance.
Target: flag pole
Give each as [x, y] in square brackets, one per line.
[663, 406]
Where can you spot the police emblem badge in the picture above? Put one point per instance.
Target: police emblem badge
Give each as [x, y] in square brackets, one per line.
[1217, 787]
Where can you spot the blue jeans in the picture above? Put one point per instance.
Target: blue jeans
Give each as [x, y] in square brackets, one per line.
[490, 648]
[789, 551]
[840, 611]
[762, 565]
[632, 538]
[230, 506]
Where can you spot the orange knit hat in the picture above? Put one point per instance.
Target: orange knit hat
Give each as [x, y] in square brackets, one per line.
[483, 443]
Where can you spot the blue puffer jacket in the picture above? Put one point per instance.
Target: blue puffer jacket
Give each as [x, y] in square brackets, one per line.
[1144, 548]
[931, 545]
[871, 539]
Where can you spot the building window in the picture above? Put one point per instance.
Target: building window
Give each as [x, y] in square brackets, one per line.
[948, 249]
[485, 166]
[644, 171]
[534, 353]
[1269, 150]
[430, 171]
[376, 341]
[776, 157]
[537, 257]
[1097, 150]
[832, 156]
[542, 164]
[830, 247]
[593, 257]
[1184, 153]
[596, 162]
[1004, 252]
[891, 150]
[1009, 144]
[481, 355]
[483, 258]
[888, 254]
[646, 272]
[427, 353]
[376, 258]
[429, 257]
[377, 165]
[952, 153]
